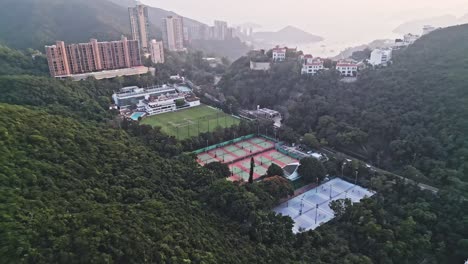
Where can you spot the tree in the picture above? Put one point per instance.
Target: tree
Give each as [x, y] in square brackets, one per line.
[180, 102]
[221, 170]
[311, 141]
[311, 169]
[339, 206]
[274, 170]
[277, 186]
[252, 166]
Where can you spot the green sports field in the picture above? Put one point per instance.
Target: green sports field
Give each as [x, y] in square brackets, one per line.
[191, 122]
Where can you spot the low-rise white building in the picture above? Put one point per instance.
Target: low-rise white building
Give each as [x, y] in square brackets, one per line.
[380, 57]
[260, 66]
[311, 65]
[279, 54]
[157, 51]
[347, 68]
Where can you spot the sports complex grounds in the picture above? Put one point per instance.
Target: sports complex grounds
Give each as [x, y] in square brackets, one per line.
[237, 155]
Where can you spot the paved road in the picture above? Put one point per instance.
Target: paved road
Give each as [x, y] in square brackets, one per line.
[423, 186]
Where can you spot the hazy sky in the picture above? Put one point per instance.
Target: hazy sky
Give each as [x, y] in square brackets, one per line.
[337, 19]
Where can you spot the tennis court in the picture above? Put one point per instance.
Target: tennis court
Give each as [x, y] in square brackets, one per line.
[312, 209]
[238, 156]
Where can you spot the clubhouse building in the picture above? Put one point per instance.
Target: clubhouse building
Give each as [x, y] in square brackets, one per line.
[154, 100]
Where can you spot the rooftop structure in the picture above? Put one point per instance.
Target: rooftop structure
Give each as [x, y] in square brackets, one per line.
[266, 113]
[347, 68]
[66, 60]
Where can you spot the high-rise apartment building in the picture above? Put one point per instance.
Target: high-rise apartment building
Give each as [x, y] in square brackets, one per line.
[139, 25]
[173, 33]
[157, 51]
[93, 56]
[220, 30]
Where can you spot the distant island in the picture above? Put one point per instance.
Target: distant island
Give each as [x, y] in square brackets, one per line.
[287, 35]
[415, 26]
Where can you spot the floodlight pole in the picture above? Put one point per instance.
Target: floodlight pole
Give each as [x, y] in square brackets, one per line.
[316, 212]
[316, 187]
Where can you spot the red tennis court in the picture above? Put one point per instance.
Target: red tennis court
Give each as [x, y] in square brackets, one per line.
[238, 157]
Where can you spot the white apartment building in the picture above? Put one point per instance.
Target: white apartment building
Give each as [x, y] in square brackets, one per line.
[279, 54]
[157, 51]
[220, 30]
[380, 57]
[347, 68]
[311, 65]
[173, 33]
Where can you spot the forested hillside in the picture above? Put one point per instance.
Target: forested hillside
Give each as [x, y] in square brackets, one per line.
[35, 23]
[411, 117]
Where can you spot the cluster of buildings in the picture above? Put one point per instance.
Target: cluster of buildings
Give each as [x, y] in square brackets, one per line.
[311, 66]
[219, 31]
[153, 100]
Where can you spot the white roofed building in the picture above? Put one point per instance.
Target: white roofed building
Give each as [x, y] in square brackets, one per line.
[347, 68]
[311, 65]
[279, 54]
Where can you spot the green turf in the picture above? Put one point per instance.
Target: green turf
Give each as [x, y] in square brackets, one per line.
[190, 122]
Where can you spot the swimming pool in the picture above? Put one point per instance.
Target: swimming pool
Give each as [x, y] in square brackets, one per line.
[183, 89]
[137, 115]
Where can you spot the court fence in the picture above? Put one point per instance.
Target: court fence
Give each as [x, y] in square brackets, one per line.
[232, 141]
[222, 144]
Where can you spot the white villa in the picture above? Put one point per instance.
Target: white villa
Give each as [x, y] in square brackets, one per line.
[311, 65]
[279, 54]
[347, 68]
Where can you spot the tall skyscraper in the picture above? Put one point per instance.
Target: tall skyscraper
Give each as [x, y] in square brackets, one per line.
[139, 25]
[157, 51]
[173, 33]
[93, 56]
